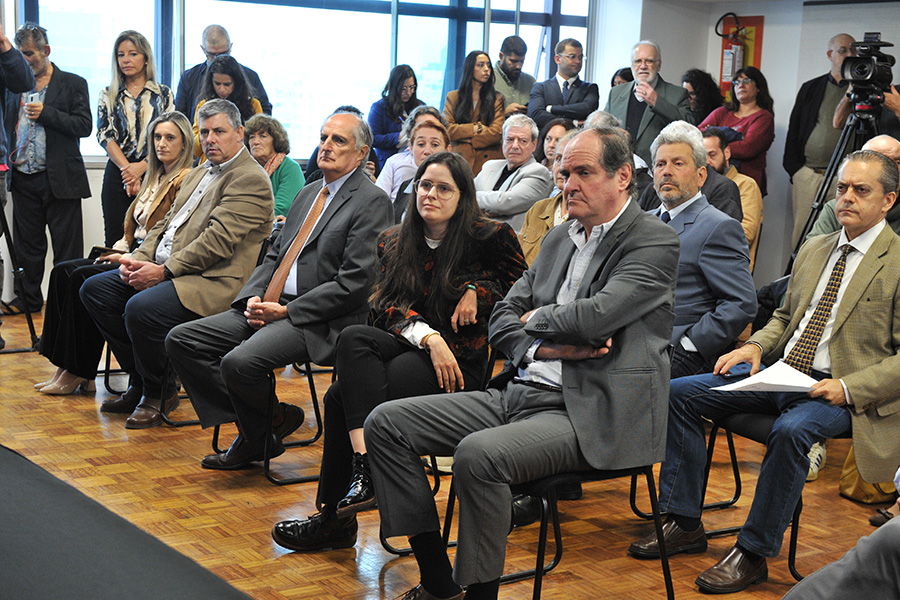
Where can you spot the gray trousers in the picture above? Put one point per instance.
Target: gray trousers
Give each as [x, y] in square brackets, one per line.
[871, 569]
[224, 366]
[496, 439]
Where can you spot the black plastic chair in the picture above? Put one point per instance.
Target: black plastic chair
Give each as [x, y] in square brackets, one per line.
[756, 427]
[546, 490]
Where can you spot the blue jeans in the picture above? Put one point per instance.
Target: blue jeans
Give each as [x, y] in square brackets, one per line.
[802, 421]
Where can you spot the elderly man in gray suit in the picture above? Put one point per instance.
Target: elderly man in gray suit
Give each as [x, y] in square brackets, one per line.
[602, 286]
[715, 298]
[314, 281]
[508, 188]
[648, 104]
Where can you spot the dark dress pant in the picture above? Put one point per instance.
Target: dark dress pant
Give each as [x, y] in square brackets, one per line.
[224, 365]
[35, 208]
[135, 324]
[373, 366]
[115, 202]
[70, 339]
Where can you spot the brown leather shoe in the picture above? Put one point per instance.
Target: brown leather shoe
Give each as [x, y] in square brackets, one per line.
[147, 413]
[733, 573]
[126, 403]
[419, 593]
[288, 419]
[241, 453]
[677, 541]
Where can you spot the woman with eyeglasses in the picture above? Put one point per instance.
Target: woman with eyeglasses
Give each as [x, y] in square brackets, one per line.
[748, 113]
[703, 93]
[442, 270]
[387, 115]
[475, 113]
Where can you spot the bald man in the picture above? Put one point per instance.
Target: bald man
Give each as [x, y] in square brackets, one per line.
[811, 138]
[827, 221]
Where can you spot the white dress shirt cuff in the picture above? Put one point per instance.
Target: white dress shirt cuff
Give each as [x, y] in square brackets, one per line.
[414, 332]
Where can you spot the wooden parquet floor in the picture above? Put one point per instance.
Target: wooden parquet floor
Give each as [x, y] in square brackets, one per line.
[222, 520]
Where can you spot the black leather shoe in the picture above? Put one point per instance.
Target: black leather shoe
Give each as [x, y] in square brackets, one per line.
[288, 419]
[126, 403]
[525, 510]
[569, 491]
[419, 593]
[322, 531]
[677, 541]
[147, 413]
[361, 494]
[241, 453]
[733, 573]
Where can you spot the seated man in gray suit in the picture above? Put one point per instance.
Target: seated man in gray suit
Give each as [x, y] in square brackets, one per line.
[314, 281]
[648, 104]
[564, 95]
[715, 298]
[507, 188]
[602, 285]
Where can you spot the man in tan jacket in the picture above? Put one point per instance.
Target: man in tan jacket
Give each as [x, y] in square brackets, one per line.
[192, 264]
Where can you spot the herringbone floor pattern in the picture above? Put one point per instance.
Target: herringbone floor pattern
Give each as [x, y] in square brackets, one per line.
[222, 520]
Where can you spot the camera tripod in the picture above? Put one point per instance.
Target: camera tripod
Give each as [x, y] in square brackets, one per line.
[18, 285]
[861, 126]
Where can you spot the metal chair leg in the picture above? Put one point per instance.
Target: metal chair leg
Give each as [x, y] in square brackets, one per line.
[108, 371]
[657, 521]
[267, 451]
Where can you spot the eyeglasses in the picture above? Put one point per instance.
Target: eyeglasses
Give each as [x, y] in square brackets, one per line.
[408, 88]
[573, 56]
[644, 61]
[742, 82]
[443, 191]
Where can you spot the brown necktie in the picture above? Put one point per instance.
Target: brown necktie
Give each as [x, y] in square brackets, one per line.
[803, 353]
[276, 285]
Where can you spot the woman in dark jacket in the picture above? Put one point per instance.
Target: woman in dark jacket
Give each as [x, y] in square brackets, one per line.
[442, 270]
[386, 117]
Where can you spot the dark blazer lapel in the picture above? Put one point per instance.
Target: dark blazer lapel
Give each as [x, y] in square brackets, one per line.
[344, 194]
[53, 87]
[870, 265]
[560, 267]
[649, 114]
[553, 95]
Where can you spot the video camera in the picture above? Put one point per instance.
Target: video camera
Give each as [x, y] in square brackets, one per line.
[869, 72]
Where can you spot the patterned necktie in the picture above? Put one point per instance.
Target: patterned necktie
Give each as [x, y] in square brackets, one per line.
[276, 285]
[565, 92]
[803, 353]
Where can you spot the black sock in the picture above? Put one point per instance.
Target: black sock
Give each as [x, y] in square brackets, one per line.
[483, 591]
[751, 556]
[686, 523]
[434, 565]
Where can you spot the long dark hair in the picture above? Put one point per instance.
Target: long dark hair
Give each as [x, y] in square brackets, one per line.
[391, 92]
[400, 285]
[763, 99]
[242, 92]
[487, 96]
[707, 93]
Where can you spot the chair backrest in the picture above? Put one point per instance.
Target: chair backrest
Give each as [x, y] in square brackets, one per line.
[769, 297]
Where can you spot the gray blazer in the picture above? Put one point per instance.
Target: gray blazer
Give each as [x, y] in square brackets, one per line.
[336, 267]
[715, 298]
[618, 404]
[672, 104]
[531, 182]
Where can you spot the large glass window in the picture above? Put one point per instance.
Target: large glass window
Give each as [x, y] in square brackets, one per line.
[82, 34]
[310, 60]
[422, 44]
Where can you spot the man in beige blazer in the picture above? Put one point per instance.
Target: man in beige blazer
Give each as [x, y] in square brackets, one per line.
[840, 322]
[192, 264]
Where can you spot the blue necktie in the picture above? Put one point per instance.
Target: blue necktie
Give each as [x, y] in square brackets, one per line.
[664, 215]
[565, 92]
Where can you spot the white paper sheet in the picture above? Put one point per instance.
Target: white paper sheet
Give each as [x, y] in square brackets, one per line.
[780, 377]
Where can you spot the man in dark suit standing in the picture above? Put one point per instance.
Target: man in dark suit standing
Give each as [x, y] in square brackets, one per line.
[715, 297]
[602, 286]
[48, 175]
[648, 103]
[313, 282]
[190, 265]
[564, 95]
[215, 43]
[839, 323]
